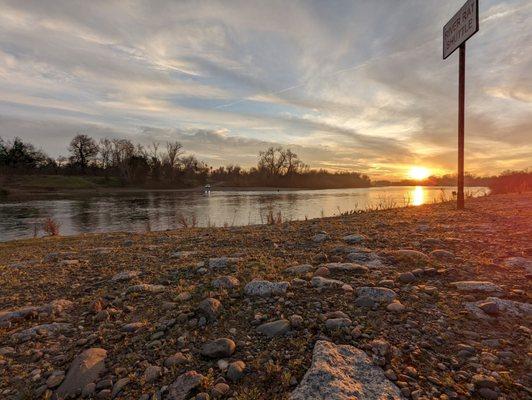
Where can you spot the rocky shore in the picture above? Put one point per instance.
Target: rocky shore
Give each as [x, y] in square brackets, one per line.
[415, 303]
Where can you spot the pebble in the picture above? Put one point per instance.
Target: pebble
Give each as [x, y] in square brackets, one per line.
[218, 348]
[274, 328]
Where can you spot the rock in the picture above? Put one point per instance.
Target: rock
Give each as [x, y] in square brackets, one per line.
[395, 306]
[118, 386]
[47, 330]
[174, 360]
[337, 323]
[519, 262]
[18, 313]
[489, 307]
[354, 239]
[499, 307]
[301, 269]
[326, 283]
[55, 379]
[145, 288]
[410, 255]
[364, 302]
[477, 286]
[296, 321]
[84, 369]
[184, 385]
[377, 294]
[152, 373]
[88, 390]
[488, 394]
[218, 348]
[265, 288]
[54, 307]
[442, 255]
[406, 277]
[133, 326]
[102, 316]
[125, 276]
[322, 271]
[343, 372]
[235, 371]
[222, 262]
[275, 328]
[220, 390]
[347, 267]
[182, 254]
[320, 238]
[226, 282]
[366, 257]
[210, 307]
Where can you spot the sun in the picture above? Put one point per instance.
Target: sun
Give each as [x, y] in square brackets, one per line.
[418, 173]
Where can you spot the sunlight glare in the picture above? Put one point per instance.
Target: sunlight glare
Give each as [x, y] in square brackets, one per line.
[418, 173]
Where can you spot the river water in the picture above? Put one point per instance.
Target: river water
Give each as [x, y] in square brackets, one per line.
[160, 210]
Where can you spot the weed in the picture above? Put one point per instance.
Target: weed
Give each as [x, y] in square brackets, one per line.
[51, 227]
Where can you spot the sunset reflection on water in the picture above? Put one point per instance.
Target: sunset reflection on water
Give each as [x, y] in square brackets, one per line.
[418, 196]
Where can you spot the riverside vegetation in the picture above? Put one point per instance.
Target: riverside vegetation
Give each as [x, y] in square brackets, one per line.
[420, 302]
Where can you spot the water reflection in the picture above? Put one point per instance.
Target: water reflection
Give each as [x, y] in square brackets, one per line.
[137, 212]
[418, 196]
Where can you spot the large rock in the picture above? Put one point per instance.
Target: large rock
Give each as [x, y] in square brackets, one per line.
[85, 369]
[320, 282]
[226, 282]
[410, 255]
[210, 307]
[377, 294]
[343, 372]
[275, 328]
[519, 262]
[47, 330]
[146, 288]
[218, 348]
[347, 267]
[222, 262]
[477, 286]
[366, 257]
[125, 276]
[184, 385]
[302, 269]
[499, 307]
[54, 307]
[320, 237]
[354, 239]
[265, 288]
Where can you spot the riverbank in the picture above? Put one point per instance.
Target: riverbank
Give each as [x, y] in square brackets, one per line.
[155, 303]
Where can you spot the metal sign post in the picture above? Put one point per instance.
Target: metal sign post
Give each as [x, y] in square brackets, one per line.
[460, 27]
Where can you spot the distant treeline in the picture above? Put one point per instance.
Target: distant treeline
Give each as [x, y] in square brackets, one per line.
[506, 182]
[167, 166]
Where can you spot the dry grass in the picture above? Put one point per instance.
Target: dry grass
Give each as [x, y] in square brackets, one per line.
[50, 227]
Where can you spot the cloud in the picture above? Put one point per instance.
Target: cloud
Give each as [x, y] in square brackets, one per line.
[350, 85]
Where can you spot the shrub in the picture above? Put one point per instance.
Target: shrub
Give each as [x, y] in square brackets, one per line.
[51, 227]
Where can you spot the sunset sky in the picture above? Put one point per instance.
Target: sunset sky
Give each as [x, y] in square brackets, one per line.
[350, 85]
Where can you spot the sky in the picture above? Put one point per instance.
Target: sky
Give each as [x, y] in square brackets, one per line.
[348, 85]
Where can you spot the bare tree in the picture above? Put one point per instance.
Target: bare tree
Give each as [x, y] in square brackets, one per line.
[106, 149]
[173, 151]
[272, 161]
[83, 150]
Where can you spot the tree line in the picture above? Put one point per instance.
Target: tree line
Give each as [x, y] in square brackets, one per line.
[167, 165]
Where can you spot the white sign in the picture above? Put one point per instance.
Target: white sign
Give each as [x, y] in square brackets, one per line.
[461, 27]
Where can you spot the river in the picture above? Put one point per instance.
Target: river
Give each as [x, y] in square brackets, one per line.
[160, 210]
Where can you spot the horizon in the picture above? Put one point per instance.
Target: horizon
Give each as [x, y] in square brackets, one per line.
[351, 87]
